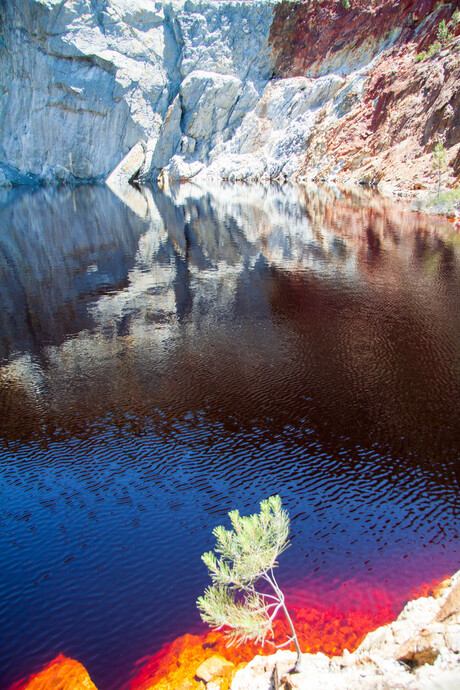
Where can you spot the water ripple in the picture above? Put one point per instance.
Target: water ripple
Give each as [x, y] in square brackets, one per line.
[169, 371]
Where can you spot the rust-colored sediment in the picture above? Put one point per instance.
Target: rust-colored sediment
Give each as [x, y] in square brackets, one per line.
[307, 37]
[390, 135]
[326, 627]
[60, 674]
[387, 134]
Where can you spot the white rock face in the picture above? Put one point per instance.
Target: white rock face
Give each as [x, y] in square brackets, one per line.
[84, 81]
[272, 135]
[418, 651]
[81, 82]
[168, 137]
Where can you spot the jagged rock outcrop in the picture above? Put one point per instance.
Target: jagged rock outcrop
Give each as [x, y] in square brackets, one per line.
[234, 90]
[388, 131]
[83, 82]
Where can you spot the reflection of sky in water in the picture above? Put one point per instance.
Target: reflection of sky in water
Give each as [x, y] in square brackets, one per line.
[161, 370]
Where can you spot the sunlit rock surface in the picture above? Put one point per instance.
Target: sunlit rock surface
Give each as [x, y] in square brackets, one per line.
[83, 82]
[224, 89]
[418, 651]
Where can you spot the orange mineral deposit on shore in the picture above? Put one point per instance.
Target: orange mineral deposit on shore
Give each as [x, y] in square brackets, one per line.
[339, 621]
[60, 674]
[328, 622]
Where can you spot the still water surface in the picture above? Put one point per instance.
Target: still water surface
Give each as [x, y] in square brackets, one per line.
[167, 359]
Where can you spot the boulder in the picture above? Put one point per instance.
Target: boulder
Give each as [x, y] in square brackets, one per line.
[260, 673]
[424, 647]
[128, 168]
[214, 667]
[179, 170]
[208, 99]
[169, 135]
[119, 181]
[450, 609]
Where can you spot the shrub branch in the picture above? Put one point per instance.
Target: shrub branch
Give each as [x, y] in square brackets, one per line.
[242, 557]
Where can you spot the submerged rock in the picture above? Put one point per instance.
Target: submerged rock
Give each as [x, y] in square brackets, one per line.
[214, 667]
[62, 673]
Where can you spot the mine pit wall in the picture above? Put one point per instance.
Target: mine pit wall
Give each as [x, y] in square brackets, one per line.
[315, 38]
[232, 89]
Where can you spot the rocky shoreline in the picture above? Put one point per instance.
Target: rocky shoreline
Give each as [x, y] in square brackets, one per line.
[420, 650]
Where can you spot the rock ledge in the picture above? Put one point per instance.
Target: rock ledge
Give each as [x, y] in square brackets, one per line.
[418, 651]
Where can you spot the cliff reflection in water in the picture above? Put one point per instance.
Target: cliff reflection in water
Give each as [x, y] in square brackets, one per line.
[345, 303]
[176, 354]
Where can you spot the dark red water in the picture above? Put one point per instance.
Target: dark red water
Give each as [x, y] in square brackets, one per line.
[158, 370]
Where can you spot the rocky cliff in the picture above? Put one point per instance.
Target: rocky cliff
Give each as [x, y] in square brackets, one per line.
[231, 89]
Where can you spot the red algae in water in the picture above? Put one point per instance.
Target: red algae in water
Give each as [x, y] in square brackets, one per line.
[336, 621]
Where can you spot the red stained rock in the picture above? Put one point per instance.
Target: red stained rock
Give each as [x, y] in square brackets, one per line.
[326, 627]
[309, 37]
[386, 134]
[389, 135]
[215, 667]
[175, 666]
[60, 674]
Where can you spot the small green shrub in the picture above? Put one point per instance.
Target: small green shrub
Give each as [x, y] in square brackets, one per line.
[434, 49]
[450, 196]
[455, 19]
[443, 35]
[346, 4]
[439, 161]
[443, 32]
[446, 203]
[248, 554]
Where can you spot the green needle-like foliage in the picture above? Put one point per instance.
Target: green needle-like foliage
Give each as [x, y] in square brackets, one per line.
[439, 161]
[249, 618]
[246, 554]
[252, 547]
